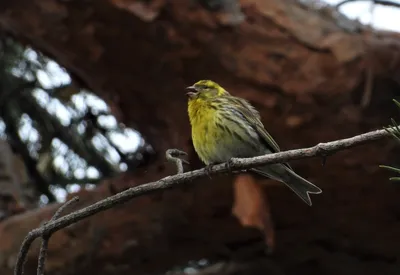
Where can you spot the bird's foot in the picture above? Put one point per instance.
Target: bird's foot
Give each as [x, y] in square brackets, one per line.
[228, 165]
[208, 168]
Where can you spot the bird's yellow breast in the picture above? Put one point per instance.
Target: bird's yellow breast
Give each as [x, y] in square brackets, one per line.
[204, 130]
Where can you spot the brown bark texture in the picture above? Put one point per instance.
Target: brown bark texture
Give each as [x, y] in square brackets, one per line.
[305, 69]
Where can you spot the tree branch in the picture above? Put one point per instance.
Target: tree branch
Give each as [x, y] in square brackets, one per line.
[377, 2]
[43, 249]
[45, 238]
[172, 155]
[235, 164]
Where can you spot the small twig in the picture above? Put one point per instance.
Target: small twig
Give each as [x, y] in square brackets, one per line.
[172, 155]
[376, 2]
[46, 237]
[63, 207]
[235, 164]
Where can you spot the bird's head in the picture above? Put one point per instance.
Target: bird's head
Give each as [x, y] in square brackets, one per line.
[205, 89]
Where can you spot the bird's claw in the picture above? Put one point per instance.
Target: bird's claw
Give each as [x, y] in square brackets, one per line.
[208, 169]
[228, 165]
[209, 166]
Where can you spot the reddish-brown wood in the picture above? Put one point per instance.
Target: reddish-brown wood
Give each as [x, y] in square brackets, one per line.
[303, 69]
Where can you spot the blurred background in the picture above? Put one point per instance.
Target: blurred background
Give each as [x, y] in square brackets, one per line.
[92, 95]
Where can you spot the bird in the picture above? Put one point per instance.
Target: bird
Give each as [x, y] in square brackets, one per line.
[224, 126]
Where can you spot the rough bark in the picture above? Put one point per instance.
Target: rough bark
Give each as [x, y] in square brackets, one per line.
[303, 69]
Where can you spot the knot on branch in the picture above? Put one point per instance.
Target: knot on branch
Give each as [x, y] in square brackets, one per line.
[173, 155]
[321, 149]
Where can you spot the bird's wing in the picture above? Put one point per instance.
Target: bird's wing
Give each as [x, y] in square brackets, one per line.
[254, 119]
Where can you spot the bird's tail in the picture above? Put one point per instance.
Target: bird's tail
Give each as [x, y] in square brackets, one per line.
[299, 185]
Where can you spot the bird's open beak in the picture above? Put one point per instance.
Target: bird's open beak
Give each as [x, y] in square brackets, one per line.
[191, 91]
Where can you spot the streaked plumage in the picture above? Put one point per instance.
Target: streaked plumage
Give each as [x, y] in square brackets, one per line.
[225, 126]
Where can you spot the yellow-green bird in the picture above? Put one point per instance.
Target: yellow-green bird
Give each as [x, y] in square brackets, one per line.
[225, 126]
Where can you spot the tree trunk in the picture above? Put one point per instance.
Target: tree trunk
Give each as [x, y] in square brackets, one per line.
[305, 70]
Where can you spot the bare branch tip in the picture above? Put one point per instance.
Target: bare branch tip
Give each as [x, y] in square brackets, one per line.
[63, 207]
[46, 237]
[173, 155]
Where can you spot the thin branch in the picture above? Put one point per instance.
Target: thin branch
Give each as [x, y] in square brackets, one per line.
[376, 2]
[46, 237]
[235, 164]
